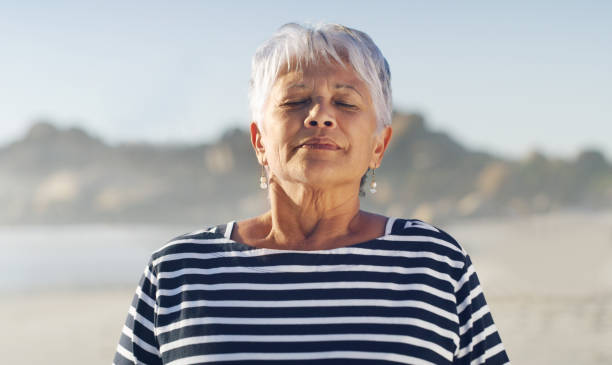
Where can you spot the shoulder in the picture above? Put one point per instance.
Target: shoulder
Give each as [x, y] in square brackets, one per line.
[208, 232]
[190, 241]
[427, 246]
[416, 230]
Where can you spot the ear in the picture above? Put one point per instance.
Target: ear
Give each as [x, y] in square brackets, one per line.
[258, 146]
[380, 146]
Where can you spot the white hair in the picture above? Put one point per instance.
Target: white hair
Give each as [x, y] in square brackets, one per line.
[296, 45]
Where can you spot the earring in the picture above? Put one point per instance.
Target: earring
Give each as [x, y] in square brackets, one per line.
[373, 182]
[263, 180]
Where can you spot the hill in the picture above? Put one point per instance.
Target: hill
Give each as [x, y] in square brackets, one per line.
[54, 175]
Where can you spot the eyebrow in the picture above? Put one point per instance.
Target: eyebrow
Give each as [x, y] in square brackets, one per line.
[347, 86]
[296, 85]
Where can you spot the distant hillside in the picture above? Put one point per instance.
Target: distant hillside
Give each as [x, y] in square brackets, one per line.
[57, 175]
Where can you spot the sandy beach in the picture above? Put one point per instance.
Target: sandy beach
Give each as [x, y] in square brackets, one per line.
[548, 281]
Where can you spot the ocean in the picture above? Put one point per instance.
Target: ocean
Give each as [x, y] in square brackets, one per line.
[73, 257]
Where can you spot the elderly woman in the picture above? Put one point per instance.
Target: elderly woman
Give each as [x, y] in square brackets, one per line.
[315, 280]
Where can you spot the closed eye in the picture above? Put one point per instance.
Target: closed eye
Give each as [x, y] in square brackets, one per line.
[346, 105]
[295, 103]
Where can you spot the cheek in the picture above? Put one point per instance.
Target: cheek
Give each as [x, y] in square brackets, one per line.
[363, 139]
[360, 154]
[277, 149]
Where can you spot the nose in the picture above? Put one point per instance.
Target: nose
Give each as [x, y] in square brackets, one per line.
[319, 117]
[316, 123]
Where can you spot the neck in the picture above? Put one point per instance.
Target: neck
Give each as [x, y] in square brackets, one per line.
[308, 218]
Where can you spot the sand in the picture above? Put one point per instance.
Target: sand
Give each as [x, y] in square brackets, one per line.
[67, 327]
[548, 281]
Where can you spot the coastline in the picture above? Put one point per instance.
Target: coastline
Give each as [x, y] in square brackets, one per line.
[547, 280]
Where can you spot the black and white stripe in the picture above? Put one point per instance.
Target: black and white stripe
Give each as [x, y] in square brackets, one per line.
[408, 297]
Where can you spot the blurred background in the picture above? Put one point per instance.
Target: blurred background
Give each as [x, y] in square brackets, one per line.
[123, 125]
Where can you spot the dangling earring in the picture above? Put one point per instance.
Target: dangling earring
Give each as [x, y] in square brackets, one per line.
[263, 180]
[373, 182]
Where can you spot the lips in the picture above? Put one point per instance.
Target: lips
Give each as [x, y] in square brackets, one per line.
[320, 144]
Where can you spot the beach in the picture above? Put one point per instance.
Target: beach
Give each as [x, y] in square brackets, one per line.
[547, 279]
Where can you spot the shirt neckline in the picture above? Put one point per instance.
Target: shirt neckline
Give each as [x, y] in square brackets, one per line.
[229, 227]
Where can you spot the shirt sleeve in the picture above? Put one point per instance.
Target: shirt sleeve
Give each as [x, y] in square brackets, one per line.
[138, 343]
[479, 340]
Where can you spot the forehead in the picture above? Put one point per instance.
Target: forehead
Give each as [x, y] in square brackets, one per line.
[333, 73]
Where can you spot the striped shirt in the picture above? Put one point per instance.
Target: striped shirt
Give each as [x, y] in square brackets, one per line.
[408, 297]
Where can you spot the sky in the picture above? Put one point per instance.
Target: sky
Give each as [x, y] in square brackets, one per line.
[508, 77]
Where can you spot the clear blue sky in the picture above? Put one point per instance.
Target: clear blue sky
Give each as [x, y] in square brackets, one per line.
[504, 76]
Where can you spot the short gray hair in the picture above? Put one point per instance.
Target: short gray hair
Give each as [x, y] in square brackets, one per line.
[295, 45]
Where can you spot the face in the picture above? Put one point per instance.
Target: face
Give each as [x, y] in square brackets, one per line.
[319, 128]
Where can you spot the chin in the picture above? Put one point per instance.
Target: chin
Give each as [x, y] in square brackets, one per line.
[324, 176]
